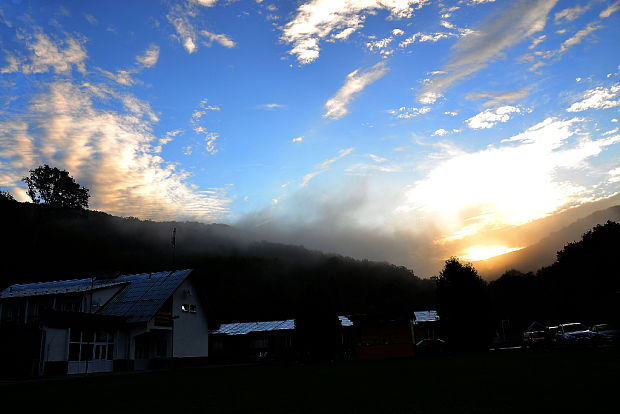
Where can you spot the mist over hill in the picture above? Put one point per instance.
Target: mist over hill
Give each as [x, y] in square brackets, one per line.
[243, 277]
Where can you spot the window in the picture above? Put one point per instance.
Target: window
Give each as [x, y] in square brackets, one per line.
[85, 345]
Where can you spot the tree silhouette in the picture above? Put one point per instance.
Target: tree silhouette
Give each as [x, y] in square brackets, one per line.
[5, 195]
[54, 187]
[463, 305]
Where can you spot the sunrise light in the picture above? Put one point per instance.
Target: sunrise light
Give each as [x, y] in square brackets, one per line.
[476, 253]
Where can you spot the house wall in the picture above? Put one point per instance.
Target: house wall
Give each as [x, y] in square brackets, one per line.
[191, 331]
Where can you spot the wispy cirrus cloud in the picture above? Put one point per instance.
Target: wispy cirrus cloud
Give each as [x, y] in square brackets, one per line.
[182, 18]
[324, 166]
[571, 13]
[209, 137]
[611, 9]
[322, 20]
[337, 106]
[222, 39]
[476, 50]
[146, 60]
[500, 97]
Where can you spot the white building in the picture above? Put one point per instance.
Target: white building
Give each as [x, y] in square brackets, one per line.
[132, 322]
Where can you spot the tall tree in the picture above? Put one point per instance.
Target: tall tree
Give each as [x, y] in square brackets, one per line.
[49, 185]
[463, 305]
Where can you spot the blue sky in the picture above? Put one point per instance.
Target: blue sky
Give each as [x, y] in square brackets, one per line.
[391, 129]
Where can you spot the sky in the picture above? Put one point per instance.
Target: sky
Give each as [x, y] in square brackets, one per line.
[399, 130]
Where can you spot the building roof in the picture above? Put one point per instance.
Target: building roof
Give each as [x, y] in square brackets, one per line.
[139, 298]
[57, 287]
[426, 316]
[144, 294]
[244, 328]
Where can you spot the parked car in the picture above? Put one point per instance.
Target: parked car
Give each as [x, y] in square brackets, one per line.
[606, 333]
[574, 333]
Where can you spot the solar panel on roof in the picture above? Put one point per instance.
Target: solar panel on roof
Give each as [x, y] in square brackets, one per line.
[244, 328]
[145, 295]
[426, 316]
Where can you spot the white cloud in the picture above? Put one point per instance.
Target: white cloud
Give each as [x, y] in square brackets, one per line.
[425, 37]
[474, 51]
[614, 120]
[298, 139]
[205, 3]
[324, 166]
[441, 132]
[379, 44]
[186, 33]
[490, 117]
[210, 139]
[578, 37]
[610, 10]
[571, 13]
[270, 106]
[398, 32]
[337, 106]
[110, 152]
[222, 39]
[46, 54]
[150, 56]
[508, 184]
[406, 113]
[319, 20]
[597, 98]
[91, 19]
[451, 113]
[538, 40]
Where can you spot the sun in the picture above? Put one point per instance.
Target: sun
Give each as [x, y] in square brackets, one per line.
[476, 253]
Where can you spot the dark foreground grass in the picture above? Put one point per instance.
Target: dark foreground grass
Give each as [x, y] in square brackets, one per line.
[574, 381]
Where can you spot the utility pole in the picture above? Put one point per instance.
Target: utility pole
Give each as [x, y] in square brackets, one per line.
[174, 245]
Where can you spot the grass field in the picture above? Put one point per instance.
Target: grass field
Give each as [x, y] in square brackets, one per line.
[514, 381]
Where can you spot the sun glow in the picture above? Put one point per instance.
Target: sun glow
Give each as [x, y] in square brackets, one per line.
[475, 253]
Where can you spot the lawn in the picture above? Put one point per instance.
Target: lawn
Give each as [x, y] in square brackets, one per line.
[515, 381]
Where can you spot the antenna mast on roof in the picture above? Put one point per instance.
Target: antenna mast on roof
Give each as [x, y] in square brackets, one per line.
[174, 245]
